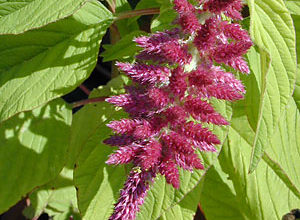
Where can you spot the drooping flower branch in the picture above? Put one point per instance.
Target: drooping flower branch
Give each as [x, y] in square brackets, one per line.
[168, 105]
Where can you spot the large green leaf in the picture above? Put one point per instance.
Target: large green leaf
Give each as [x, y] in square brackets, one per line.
[19, 16]
[42, 64]
[272, 190]
[98, 184]
[271, 28]
[33, 150]
[57, 198]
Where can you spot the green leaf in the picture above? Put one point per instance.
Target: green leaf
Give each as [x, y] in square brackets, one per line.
[20, 16]
[296, 94]
[185, 209]
[57, 198]
[88, 119]
[111, 3]
[43, 64]
[125, 26]
[293, 6]
[123, 50]
[147, 4]
[272, 190]
[98, 184]
[32, 152]
[271, 28]
[296, 20]
[163, 196]
[164, 20]
[144, 4]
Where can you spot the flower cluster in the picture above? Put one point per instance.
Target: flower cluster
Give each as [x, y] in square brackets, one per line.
[170, 106]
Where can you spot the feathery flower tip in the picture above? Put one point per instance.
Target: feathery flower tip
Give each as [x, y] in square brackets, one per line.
[117, 140]
[145, 74]
[183, 6]
[150, 155]
[132, 195]
[122, 156]
[231, 8]
[169, 169]
[163, 47]
[189, 22]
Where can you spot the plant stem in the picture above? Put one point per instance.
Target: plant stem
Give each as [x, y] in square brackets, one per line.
[129, 14]
[88, 101]
[85, 89]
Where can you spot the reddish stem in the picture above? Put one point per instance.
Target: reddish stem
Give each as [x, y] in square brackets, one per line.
[85, 89]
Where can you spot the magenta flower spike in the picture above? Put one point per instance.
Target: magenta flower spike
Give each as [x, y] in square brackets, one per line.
[133, 194]
[169, 106]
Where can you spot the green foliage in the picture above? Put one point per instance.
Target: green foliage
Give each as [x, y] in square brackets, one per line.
[147, 4]
[264, 125]
[123, 50]
[164, 20]
[295, 10]
[56, 198]
[33, 13]
[185, 209]
[271, 28]
[48, 48]
[272, 190]
[98, 184]
[296, 94]
[46, 63]
[36, 67]
[32, 152]
[144, 4]
[293, 6]
[125, 26]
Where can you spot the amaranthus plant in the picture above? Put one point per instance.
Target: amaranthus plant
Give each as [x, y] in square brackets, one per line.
[169, 105]
[149, 109]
